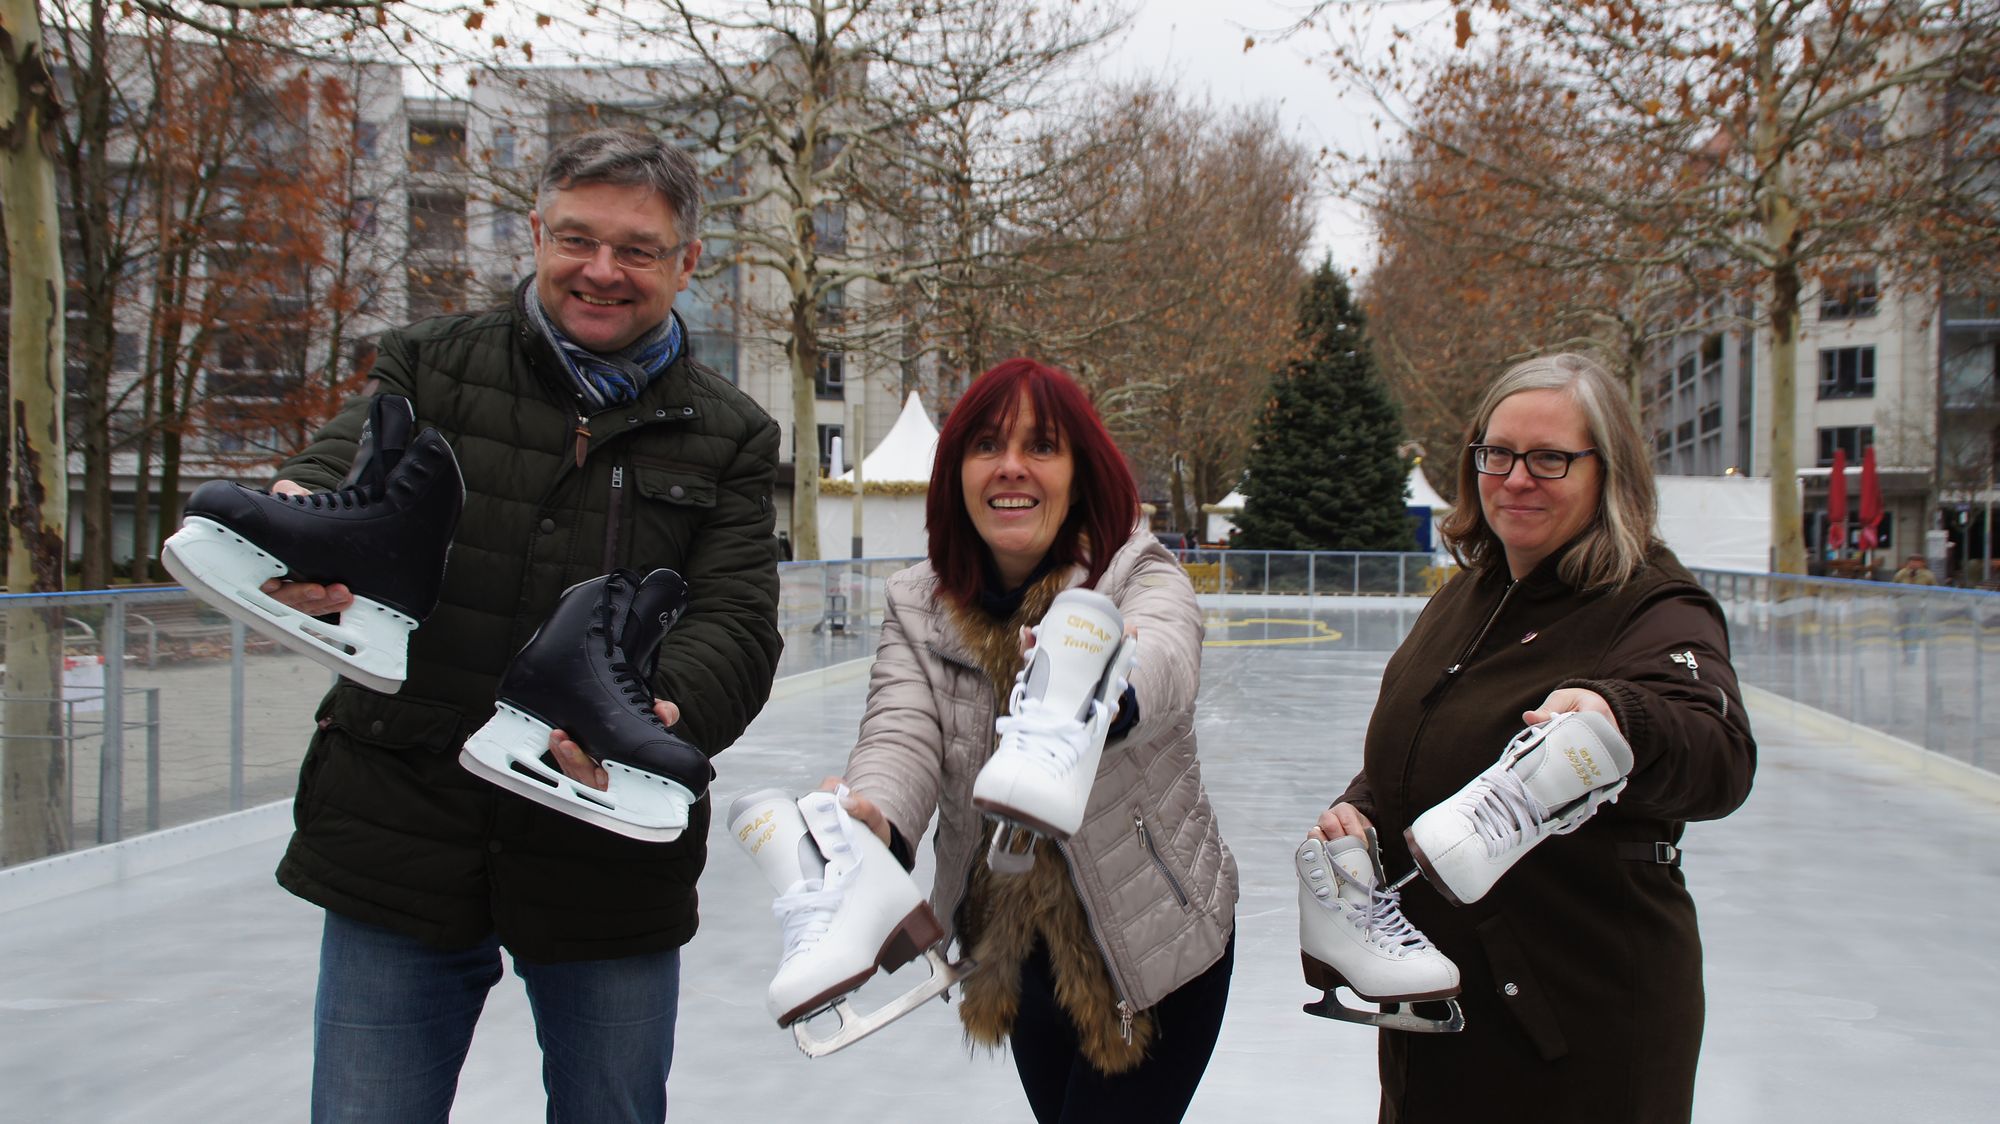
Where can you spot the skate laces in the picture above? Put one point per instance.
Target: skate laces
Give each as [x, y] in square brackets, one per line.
[346, 499]
[805, 912]
[1382, 920]
[1043, 734]
[638, 692]
[1503, 812]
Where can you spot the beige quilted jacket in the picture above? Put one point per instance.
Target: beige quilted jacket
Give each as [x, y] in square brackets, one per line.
[1149, 863]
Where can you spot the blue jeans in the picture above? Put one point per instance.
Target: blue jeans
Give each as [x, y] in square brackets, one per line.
[394, 1016]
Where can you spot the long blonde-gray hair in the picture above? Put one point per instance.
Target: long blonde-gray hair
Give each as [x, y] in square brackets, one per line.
[1614, 544]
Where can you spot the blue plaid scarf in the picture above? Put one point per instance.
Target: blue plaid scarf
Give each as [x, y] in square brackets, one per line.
[604, 380]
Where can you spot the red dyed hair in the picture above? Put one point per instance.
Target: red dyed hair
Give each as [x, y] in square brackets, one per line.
[1106, 503]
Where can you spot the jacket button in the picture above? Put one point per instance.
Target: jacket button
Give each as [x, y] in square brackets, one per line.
[376, 727]
[677, 491]
[687, 411]
[1512, 989]
[660, 413]
[633, 420]
[493, 845]
[548, 526]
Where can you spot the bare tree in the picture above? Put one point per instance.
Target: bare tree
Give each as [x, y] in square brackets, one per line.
[1766, 143]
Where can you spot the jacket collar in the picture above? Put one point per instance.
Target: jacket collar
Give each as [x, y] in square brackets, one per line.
[666, 398]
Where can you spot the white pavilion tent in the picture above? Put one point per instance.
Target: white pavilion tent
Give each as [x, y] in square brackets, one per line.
[895, 480]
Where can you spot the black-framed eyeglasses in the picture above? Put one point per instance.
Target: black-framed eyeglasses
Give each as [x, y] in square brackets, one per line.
[1543, 464]
[637, 258]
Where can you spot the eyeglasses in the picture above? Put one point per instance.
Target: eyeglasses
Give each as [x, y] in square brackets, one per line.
[1543, 464]
[636, 258]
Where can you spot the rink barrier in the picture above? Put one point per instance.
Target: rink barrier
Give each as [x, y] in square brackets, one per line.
[188, 694]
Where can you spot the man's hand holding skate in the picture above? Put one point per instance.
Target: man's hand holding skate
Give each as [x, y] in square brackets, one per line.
[310, 598]
[581, 767]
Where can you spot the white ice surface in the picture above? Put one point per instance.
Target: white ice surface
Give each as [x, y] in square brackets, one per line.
[1851, 913]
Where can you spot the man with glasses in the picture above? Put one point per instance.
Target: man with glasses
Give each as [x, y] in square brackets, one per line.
[589, 439]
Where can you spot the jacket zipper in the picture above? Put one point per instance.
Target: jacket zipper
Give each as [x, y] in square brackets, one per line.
[1125, 1008]
[1146, 841]
[582, 437]
[613, 517]
[1444, 682]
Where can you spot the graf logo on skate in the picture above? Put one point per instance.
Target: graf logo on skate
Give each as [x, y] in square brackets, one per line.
[1585, 765]
[1686, 659]
[1089, 626]
[762, 828]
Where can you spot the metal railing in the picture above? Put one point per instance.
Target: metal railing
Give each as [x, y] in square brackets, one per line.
[1909, 661]
[224, 713]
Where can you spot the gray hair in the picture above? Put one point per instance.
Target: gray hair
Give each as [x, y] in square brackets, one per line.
[1614, 545]
[624, 157]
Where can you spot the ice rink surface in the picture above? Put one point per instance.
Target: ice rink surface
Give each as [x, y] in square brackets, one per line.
[1850, 911]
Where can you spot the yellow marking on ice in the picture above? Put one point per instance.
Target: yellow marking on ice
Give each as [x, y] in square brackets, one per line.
[1321, 632]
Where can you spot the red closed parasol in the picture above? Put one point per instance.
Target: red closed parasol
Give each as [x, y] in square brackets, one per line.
[1871, 501]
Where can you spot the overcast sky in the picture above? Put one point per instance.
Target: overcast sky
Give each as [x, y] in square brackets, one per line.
[1199, 45]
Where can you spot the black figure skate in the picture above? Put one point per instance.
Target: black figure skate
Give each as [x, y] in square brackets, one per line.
[588, 672]
[383, 533]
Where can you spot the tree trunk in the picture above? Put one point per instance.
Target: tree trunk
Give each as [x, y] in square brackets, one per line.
[1779, 217]
[36, 780]
[803, 350]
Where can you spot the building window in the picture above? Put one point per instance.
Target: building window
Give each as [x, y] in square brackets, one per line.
[1850, 296]
[1849, 438]
[826, 435]
[831, 381]
[435, 292]
[1847, 372]
[506, 231]
[714, 350]
[830, 228]
[436, 146]
[437, 221]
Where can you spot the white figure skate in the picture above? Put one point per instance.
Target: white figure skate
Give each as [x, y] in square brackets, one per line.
[1352, 933]
[1038, 780]
[384, 533]
[847, 908]
[1552, 777]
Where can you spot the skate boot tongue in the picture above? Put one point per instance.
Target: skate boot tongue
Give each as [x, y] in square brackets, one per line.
[1073, 645]
[385, 436]
[1354, 857]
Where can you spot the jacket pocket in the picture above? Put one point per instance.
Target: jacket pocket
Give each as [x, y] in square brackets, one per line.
[1152, 850]
[681, 485]
[671, 504]
[394, 722]
[1520, 992]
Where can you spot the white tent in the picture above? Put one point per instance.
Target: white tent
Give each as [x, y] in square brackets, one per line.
[1418, 496]
[892, 519]
[1221, 516]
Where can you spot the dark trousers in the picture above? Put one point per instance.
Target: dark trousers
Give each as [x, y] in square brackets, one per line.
[1063, 1088]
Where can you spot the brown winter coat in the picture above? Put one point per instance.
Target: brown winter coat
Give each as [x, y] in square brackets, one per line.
[1155, 883]
[1582, 966]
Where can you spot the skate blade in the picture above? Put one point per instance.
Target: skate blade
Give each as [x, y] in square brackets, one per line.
[855, 1026]
[1002, 858]
[1403, 1018]
[507, 751]
[370, 645]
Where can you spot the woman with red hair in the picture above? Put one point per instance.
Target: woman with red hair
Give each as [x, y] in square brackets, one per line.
[1106, 963]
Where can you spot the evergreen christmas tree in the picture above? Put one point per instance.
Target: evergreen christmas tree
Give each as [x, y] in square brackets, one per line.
[1324, 474]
